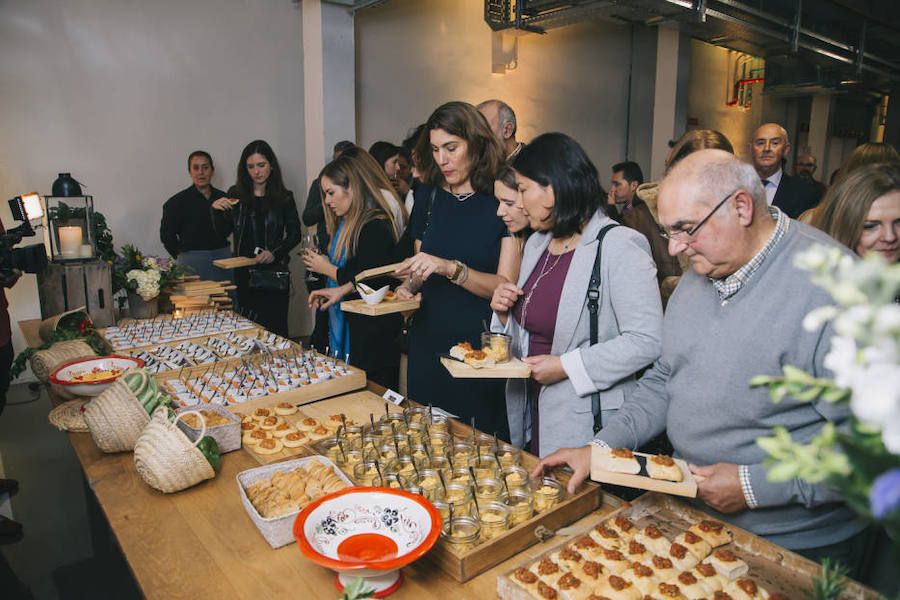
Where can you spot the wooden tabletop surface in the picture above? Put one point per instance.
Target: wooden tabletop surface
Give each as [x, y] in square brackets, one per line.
[200, 543]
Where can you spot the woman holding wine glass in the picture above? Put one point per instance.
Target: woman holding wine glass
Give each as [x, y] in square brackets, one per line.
[363, 235]
[263, 217]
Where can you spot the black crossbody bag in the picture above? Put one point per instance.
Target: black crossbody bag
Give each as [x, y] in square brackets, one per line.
[593, 295]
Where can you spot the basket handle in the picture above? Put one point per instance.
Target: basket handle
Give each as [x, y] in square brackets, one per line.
[188, 412]
[140, 372]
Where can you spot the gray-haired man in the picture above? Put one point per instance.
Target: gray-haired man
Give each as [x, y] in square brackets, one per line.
[502, 121]
[737, 313]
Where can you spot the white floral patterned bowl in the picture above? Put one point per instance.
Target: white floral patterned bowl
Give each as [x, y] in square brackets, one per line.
[368, 532]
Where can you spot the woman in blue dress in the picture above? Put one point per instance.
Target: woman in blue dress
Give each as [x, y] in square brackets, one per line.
[462, 252]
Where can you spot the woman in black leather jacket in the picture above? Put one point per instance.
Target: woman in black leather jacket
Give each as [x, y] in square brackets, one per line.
[262, 215]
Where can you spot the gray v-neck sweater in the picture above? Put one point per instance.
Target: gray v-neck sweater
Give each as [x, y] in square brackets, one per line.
[699, 390]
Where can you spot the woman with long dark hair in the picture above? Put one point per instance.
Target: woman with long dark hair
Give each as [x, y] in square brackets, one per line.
[462, 252]
[359, 219]
[547, 314]
[262, 215]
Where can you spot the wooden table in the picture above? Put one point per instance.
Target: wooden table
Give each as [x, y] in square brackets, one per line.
[200, 543]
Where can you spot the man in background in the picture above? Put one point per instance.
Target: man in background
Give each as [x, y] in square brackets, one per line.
[768, 148]
[626, 208]
[502, 121]
[186, 228]
[805, 169]
[10, 530]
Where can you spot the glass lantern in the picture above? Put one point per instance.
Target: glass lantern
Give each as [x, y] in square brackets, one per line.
[70, 225]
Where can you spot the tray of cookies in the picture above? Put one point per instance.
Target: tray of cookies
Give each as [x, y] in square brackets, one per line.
[273, 495]
[658, 548]
[657, 473]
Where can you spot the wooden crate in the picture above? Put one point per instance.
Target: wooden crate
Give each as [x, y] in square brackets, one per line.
[62, 287]
[775, 568]
[304, 395]
[464, 567]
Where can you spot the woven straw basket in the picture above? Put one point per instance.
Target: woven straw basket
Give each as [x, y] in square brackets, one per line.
[166, 459]
[44, 361]
[116, 418]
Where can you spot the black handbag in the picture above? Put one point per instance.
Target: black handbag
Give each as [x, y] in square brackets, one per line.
[276, 279]
[593, 295]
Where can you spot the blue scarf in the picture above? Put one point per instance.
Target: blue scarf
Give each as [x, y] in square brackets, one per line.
[338, 329]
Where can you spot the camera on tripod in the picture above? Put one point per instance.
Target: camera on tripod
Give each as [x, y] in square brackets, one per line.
[32, 258]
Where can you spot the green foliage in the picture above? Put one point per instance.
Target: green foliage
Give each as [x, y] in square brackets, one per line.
[71, 327]
[831, 583]
[800, 385]
[102, 235]
[357, 590]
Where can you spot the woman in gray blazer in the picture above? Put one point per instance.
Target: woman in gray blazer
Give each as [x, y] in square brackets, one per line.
[546, 312]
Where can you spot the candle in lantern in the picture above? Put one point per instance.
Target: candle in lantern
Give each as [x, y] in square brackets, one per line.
[69, 241]
[87, 251]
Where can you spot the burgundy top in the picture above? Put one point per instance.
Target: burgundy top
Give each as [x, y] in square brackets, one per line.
[540, 318]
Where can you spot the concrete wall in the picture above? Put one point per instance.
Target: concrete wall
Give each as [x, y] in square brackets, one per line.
[412, 56]
[119, 92]
[711, 87]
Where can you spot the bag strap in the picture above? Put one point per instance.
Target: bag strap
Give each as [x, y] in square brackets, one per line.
[428, 214]
[593, 295]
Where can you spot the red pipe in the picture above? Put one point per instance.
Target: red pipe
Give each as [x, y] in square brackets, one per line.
[737, 87]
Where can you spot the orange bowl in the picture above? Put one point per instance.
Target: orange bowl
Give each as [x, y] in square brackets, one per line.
[367, 532]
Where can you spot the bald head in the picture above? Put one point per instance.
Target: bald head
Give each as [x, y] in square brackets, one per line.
[721, 200]
[502, 121]
[769, 145]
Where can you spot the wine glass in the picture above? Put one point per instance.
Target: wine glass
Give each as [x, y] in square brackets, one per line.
[310, 241]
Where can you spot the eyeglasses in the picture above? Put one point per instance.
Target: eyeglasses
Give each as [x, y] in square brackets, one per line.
[690, 233]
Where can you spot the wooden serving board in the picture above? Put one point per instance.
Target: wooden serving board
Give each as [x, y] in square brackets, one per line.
[512, 369]
[356, 407]
[773, 567]
[463, 567]
[385, 307]
[686, 487]
[235, 262]
[376, 271]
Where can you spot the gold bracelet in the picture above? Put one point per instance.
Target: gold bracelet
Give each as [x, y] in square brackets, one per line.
[456, 272]
[463, 276]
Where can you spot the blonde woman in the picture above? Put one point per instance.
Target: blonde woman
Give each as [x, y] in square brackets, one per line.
[862, 210]
[358, 200]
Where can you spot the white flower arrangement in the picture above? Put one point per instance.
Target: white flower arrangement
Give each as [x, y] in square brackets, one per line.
[147, 282]
[861, 460]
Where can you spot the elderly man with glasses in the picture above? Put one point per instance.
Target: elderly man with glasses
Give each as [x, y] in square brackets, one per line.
[737, 313]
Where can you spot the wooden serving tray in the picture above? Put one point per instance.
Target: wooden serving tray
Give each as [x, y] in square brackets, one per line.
[385, 307]
[356, 407]
[775, 568]
[235, 262]
[463, 567]
[355, 380]
[686, 487]
[512, 369]
[376, 271]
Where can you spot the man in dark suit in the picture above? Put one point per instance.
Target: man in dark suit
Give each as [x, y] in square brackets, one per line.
[768, 147]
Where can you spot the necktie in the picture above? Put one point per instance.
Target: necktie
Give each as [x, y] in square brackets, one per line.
[766, 182]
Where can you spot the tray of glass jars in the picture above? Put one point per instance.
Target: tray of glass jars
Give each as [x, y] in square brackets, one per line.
[208, 350]
[660, 547]
[496, 507]
[263, 380]
[129, 334]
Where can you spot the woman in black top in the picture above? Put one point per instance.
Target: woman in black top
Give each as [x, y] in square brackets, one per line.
[358, 216]
[262, 215]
